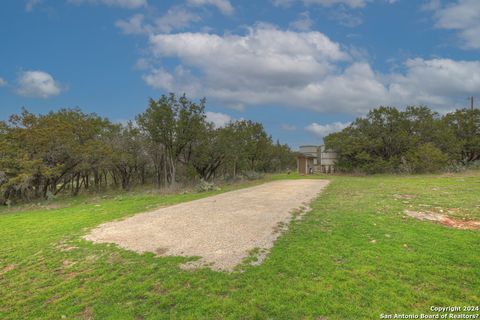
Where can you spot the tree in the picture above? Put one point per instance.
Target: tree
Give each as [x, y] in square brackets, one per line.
[208, 152]
[387, 139]
[43, 154]
[280, 157]
[465, 124]
[128, 155]
[173, 124]
[426, 158]
[71, 151]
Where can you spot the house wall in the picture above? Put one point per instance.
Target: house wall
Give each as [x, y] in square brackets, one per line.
[301, 165]
[310, 165]
[305, 165]
[328, 157]
[309, 150]
[316, 157]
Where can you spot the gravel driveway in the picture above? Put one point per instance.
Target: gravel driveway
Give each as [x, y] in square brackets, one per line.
[221, 229]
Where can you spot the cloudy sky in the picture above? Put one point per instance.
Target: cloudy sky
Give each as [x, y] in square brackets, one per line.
[304, 68]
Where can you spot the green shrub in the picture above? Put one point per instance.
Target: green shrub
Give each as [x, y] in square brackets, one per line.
[205, 186]
[253, 175]
[474, 165]
[455, 167]
[461, 166]
[426, 158]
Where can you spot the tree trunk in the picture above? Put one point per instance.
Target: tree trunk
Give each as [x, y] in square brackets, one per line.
[77, 186]
[65, 183]
[114, 177]
[234, 168]
[165, 175]
[45, 189]
[173, 171]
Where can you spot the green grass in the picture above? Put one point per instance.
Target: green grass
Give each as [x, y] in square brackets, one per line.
[324, 267]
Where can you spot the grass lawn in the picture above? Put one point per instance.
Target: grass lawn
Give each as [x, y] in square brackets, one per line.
[354, 256]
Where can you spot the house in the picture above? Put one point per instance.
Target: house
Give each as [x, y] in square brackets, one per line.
[313, 159]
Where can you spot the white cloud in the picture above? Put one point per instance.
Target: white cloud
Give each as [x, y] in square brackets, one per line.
[181, 80]
[37, 84]
[129, 4]
[174, 19]
[325, 3]
[2, 82]
[142, 64]
[30, 5]
[329, 3]
[134, 25]
[346, 18]
[282, 3]
[218, 119]
[322, 130]
[303, 23]
[462, 16]
[223, 5]
[264, 56]
[436, 82]
[269, 66]
[431, 5]
[160, 79]
[354, 90]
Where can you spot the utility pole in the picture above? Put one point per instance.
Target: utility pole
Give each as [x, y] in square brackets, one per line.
[472, 98]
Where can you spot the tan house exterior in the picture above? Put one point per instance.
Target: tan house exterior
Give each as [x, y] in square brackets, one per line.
[312, 159]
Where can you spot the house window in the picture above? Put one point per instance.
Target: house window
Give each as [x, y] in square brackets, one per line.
[315, 161]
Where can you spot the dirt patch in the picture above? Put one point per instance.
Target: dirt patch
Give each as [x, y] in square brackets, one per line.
[87, 313]
[404, 196]
[221, 229]
[8, 268]
[66, 247]
[52, 206]
[444, 220]
[68, 263]
[161, 251]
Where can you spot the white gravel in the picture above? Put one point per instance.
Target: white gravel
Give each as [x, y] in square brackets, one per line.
[221, 229]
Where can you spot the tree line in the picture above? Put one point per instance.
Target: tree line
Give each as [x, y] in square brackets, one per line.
[416, 140]
[171, 142]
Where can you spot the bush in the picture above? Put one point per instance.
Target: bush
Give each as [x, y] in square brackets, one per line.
[50, 196]
[253, 175]
[380, 166]
[205, 186]
[461, 166]
[426, 158]
[455, 167]
[474, 165]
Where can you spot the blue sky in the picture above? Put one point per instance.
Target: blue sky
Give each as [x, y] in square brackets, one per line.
[304, 68]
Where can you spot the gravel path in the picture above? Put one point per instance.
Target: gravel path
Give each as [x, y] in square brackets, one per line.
[221, 229]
